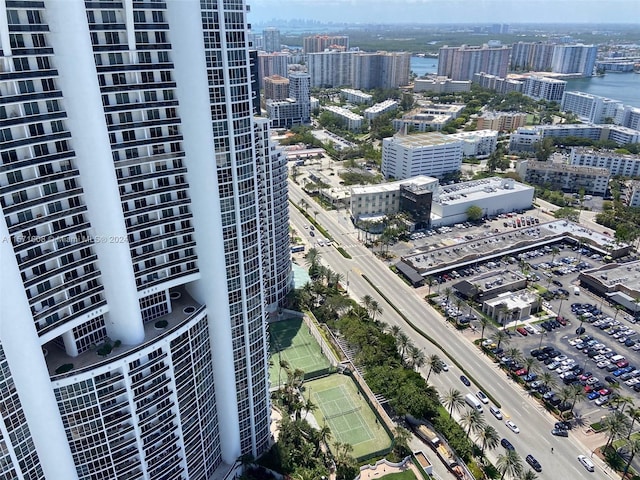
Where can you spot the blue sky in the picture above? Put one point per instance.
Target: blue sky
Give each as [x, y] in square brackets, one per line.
[448, 11]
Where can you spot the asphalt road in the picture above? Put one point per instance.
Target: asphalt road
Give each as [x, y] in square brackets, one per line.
[535, 424]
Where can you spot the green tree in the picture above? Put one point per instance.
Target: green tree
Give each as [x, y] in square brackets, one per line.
[472, 420]
[474, 213]
[453, 400]
[435, 365]
[489, 438]
[509, 464]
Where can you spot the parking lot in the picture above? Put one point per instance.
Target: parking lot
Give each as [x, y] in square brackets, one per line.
[589, 343]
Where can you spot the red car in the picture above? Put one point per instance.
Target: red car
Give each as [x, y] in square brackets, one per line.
[622, 364]
[522, 372]
[561, 321]
[522, 331]
[588, 388]
[604, 392]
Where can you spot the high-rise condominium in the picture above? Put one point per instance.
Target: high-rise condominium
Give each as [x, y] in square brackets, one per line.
[143, 241]
[461, 63]
[271, 39]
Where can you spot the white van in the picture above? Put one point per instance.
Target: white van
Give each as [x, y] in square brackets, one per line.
[473, 402]
[616, 358]
[576, 290]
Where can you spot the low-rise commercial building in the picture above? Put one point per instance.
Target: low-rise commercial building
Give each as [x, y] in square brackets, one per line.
[511, 306]
[493, 195]
[414, 196]
[618, 282]
[432, 154]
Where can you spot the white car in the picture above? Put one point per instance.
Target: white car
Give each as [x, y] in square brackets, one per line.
[444, 366]
[573, 342]
[560, 358]
[512, 426]
[496, 412]
[483, 398]
[586, 463]
[603, 364]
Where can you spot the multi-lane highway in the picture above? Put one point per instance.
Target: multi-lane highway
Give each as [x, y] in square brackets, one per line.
[534, 422]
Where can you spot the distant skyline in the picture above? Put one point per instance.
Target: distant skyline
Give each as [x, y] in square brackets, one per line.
[451, 11]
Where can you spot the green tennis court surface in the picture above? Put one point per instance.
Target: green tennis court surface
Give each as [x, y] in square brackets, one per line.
[291, 341]
[346, 412]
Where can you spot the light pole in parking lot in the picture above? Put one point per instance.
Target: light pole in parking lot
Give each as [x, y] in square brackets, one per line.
[542, 335]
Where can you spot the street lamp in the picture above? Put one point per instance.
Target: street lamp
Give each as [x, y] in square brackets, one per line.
[542, 335]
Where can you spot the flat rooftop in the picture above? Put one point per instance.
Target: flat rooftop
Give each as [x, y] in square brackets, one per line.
[419, 181]
[477, 190]
[427, 139]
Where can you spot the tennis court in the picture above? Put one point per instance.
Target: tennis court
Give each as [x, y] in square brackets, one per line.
[291, 341]
[346, 412]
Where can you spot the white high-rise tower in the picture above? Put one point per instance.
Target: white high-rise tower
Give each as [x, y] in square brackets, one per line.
[143, 243]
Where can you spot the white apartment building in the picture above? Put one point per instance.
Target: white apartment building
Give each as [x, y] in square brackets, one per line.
[352, 121]
[590, 108]
[524, 139]
[356, 96]
[544, 88]
[628, 116]
[478, 143]
[380, 109]
[625, 165]
[576, 58]
[566, 177]
[501, 121]
[140, 216]
[632, 194]
[432, 154]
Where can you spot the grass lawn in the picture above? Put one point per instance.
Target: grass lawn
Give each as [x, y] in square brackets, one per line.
[406, 475]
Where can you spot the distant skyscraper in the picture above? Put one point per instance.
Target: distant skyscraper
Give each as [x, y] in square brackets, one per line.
[144, 210]
[320, 43]
[294, 108]
[270, 64]
[578, 58]
[461, 63]
[271, 40]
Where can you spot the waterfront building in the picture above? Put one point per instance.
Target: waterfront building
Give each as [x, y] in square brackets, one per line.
[440, 85]
[576, 59]
[499, 84]
[461, 63]
[145, 242]
[590, 108]
[544, 88]
[531, 56]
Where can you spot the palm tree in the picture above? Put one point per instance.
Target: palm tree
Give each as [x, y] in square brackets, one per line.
[484, 321]
[548, 379]
[366, 303]
[309, 406]
[435, 365]
[324, 435]
[617, 425]
[565, 395]
[500, 336]
[312, 257]
[529, 475]
[624, 401]
[514, 353]
[472, 421]
[532, 364]
[415, 356]
[375, 308]
[453, 400]
[429, 281]
[402, 342]
[447, 292]
[577, 395]
[401, 437]
[632, 447]
[489, 438]
[395, 331]
[634, 414]
[510, 463]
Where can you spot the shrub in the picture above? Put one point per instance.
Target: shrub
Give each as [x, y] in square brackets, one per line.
[104, 349]
[161, 324]
[64, 368]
